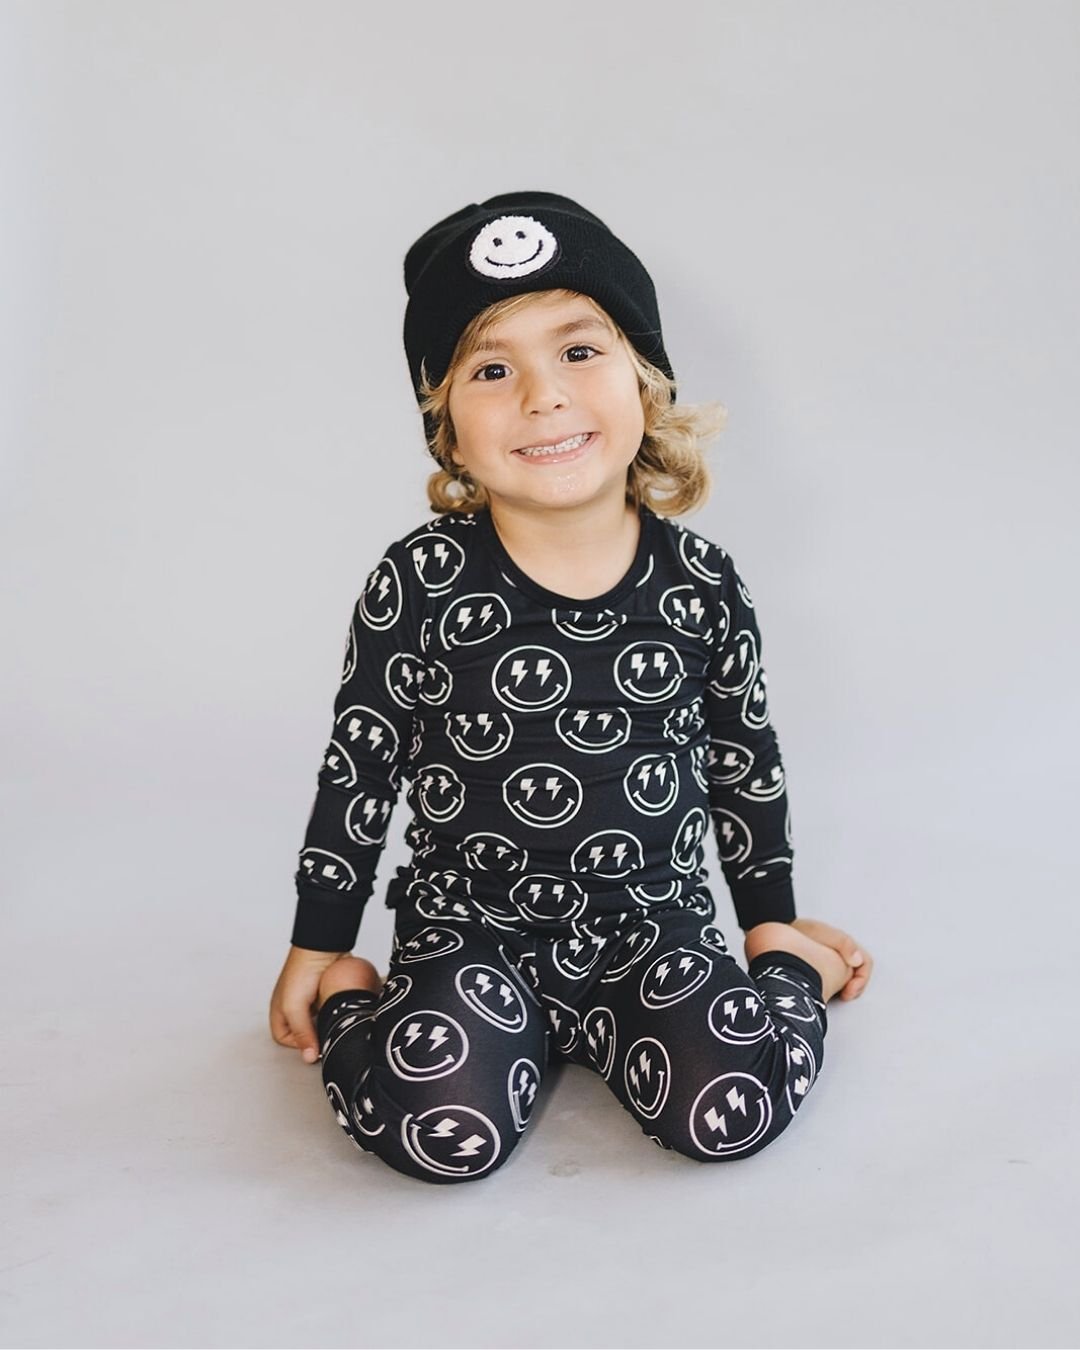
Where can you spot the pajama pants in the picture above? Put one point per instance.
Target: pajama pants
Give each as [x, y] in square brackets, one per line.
[438, 1074]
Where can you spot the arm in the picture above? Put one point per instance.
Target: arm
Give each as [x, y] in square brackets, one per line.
[747, 790]
[360, 777]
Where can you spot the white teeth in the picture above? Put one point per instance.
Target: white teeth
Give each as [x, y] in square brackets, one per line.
[571, 443]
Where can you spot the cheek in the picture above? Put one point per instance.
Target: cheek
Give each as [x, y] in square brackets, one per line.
[457, 408]
[476, 424]
[621, 394]
[634, 411]
[462, 414]
[625, 401]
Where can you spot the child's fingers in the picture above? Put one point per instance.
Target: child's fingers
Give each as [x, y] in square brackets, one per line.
[857, 983]
[295, 1029]
[857, 957]
[865, 970]
[280, 1028]
[305, 1038]
[289, 1040]
[848, 948]
[306, 1043]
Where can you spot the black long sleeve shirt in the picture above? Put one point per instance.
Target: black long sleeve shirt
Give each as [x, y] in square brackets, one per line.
[561, 755]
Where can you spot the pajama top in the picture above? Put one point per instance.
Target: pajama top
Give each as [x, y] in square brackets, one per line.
[563, 758]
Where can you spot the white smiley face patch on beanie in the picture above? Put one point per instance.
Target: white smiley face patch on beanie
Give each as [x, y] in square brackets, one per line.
[512, 246]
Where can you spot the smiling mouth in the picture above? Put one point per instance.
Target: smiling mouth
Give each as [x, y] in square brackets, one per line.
[520, 262]
[559, 450]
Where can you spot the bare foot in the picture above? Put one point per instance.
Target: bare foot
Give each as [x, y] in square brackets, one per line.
[853, 953]
[827, 961]
[347, 972]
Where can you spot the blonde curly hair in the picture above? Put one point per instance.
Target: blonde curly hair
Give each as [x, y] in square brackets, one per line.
[668, 475]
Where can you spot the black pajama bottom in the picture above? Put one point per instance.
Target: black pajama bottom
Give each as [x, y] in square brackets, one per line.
[438, 1074]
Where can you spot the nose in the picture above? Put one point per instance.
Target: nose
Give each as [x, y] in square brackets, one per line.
[543, 391]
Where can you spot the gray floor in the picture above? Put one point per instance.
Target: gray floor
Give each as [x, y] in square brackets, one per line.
[176, 1178]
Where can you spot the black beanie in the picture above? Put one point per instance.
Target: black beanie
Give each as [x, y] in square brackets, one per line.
[519, 241]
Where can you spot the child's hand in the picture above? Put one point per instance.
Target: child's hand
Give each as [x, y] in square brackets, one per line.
[856, 956]
[297, 988]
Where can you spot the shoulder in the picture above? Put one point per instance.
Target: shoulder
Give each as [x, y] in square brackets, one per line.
[449, 533]
[427, 559]
[692, 552]
[433, 553]
[701, 563]
[449, 525]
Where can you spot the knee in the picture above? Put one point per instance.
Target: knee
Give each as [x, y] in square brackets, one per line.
[692, 1146]
[691, 1143]
[733, 1117]
[436, 1141]
[449, 1146]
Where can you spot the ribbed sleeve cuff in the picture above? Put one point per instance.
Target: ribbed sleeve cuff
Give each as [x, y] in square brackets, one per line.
[771, 902]
[326, 925]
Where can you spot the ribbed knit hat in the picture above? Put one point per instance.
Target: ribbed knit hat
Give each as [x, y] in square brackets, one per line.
[519, 241]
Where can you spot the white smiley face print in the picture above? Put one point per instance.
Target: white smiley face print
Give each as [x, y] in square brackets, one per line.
[488, 852]
[544, 795]
[647, 1076]
[401, 675]
[608, 853]
[492, 995]
[674, 976]
[802, 1069]
[541, 897]
[440, 792]
[472, 619]
[682, 723]
[649, 672]
[531, 679]
[436, 560]
[479, 735]
[326, 868]
[727, 762]
[367, 817]
[523, 1083]
[426, 1044]
[737, 664]
[766, 787]
[686, 845]
[651, 783]
[512, 246]
[730, 1114]
[349, 666]
[704, 558]
[685, 610]
[360, 733]
[380, 604]
[734, 838]
[451, 1140]
[593, 731]
[739, 1015]
[586, 627]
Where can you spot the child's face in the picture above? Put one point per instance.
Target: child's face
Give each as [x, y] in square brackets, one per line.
[537, 386]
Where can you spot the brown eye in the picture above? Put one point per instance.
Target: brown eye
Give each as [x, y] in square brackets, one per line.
[493, 365]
